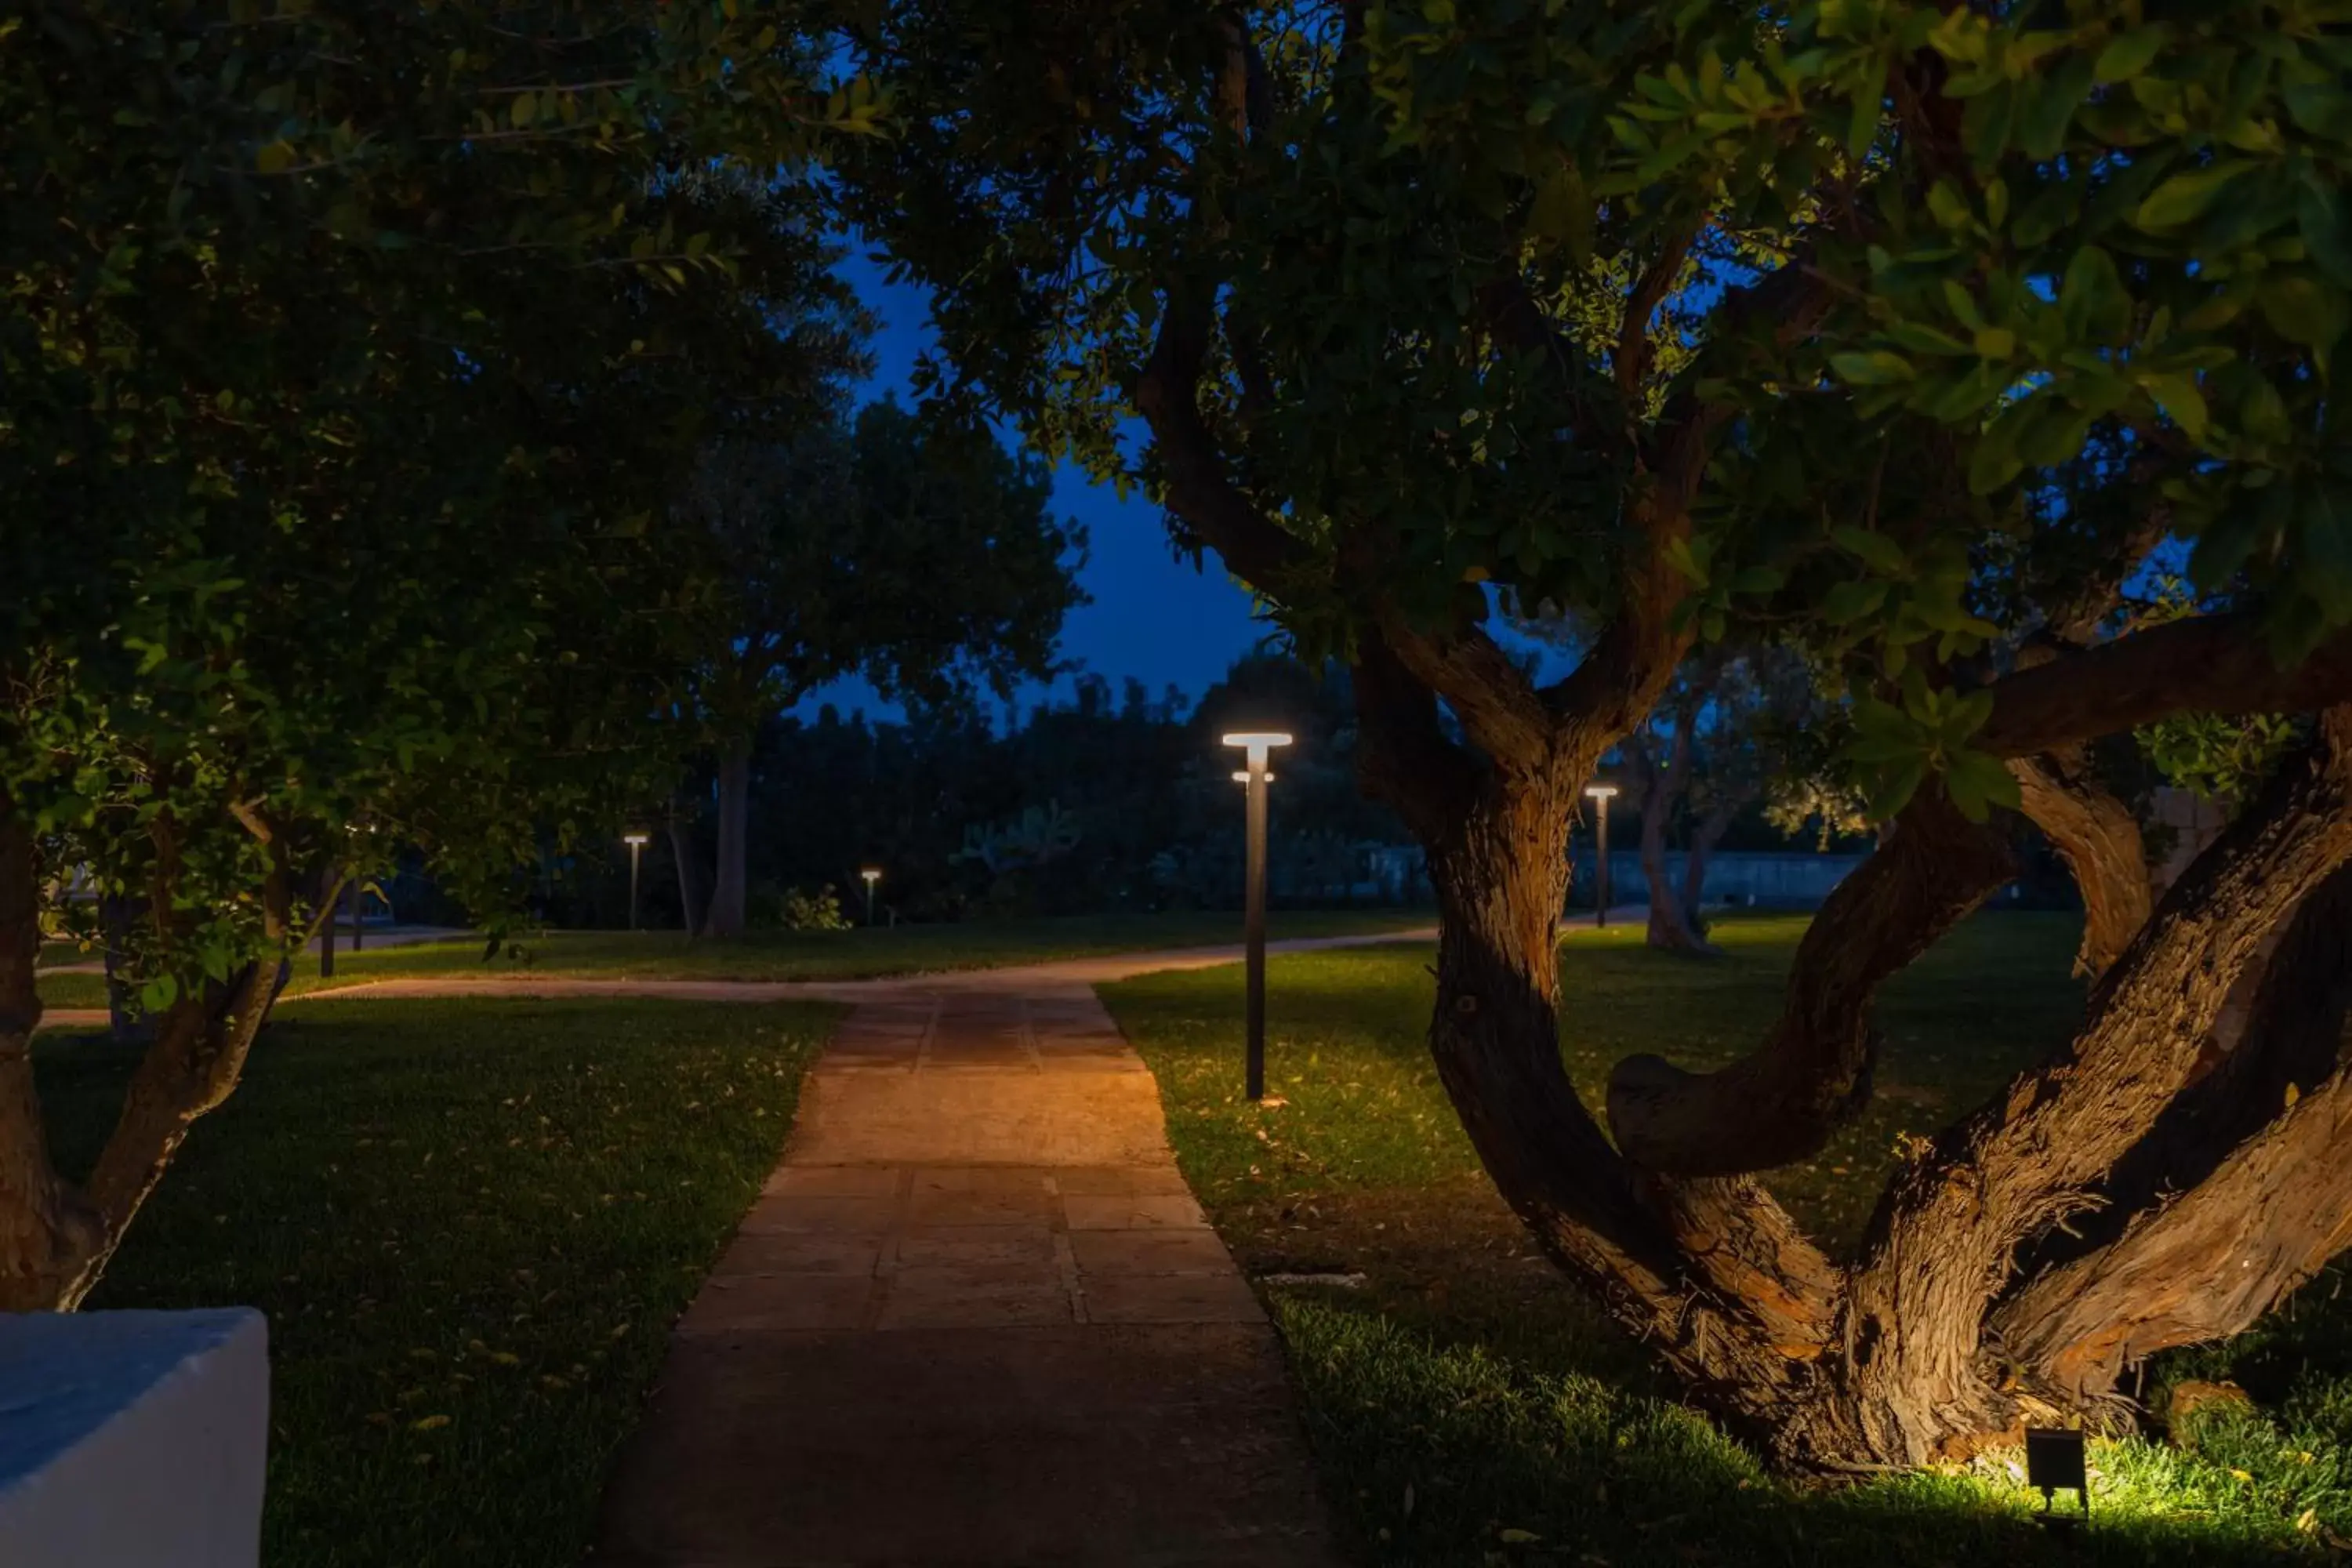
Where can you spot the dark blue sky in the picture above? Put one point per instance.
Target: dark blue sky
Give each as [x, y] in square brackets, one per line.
[1153, 617]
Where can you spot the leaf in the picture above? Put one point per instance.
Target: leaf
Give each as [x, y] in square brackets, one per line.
[1876, 368]
[2128, 54]
[2325, 220]
[1517, 1537]
[2177, 392]
[525, 109]
[2300, 308]
[1562, 212]
[1846, 603]
[2184, 198]
[1978, 782]
[273, 157]
[1876, 550]
[429, 1424]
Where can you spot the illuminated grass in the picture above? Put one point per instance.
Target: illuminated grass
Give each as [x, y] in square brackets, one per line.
[856, 954]
[1466, 1370]
[471, 1225]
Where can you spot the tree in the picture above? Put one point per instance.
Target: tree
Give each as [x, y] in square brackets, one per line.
[920, 556]
[1389, 286]
[347, 354]
[1726, 734]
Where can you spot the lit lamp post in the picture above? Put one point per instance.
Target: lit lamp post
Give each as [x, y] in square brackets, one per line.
[636, 843]
[872, 875]
[1603, 793]
[1256, 744]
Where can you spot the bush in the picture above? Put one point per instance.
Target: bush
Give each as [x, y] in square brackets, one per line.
[820, 911]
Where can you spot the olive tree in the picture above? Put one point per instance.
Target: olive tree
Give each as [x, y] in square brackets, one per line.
[1386, 303]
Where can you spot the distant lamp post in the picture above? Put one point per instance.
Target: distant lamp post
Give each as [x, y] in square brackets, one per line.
[636, 843]
[872, 874]
[1256, 744]
[1603, 793]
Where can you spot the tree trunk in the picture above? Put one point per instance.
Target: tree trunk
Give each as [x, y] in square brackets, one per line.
[689, 874]
[1708, 833]
[55, 1238]
[1670, 928]
[1714, 1275]
[727, 889]
[45, 1227]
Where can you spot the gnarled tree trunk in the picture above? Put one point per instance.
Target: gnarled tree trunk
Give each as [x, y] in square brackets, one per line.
[1966, 1313]
[729, 889]
[56, 1237]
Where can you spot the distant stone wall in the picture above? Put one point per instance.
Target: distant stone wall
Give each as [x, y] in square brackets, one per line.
[1785, 879]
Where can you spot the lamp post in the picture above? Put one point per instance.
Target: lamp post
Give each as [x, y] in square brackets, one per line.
[872, 874]
[1603, 793]
[1256, 743]
[636, 843]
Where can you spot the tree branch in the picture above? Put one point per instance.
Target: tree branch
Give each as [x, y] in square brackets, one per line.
[2212, 664]
[1812, 1074]
[1947, 1233]
[2099, 839]
[2257, 1146]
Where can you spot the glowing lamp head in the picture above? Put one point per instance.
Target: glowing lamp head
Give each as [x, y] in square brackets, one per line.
[1258, 743]
[636, 841]
[1601, 792]
[872, 875]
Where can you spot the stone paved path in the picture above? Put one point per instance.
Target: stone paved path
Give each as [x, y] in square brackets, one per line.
[975, 1318]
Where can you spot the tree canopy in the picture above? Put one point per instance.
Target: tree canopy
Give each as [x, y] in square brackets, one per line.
[351, 357]
[1911, 332]
[920, 555]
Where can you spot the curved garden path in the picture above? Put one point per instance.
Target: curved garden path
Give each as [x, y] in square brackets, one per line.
[975, 1316]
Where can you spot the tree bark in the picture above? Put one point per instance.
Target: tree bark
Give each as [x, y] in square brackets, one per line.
[55, 1238]
[1670, 928]
[46, 1226]
[1704, 839]
[729, 889]
[1714, 1275]
[1921, 1377]
[689, 874]
[2266, 1202]
[2099, 839]
[1813, 1073]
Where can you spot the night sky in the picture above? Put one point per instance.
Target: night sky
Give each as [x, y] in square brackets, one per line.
[1153, 617]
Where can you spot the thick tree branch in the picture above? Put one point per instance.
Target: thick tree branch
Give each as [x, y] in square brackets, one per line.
[1945, 1237]
[1404, 756]
[1813, 1073]
[2099, 839]
[2213, 663]
[1492, 696]
[2267, 1199]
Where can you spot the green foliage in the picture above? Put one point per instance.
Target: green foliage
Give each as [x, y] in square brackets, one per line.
[1958, 304]
[820, 911]
[352, 357]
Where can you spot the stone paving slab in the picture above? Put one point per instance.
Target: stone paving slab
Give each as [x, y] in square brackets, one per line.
[974, 1318]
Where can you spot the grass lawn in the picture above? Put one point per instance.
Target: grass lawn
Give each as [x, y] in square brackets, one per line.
[471, 1223]
[861, 954]
[1469, 1407]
